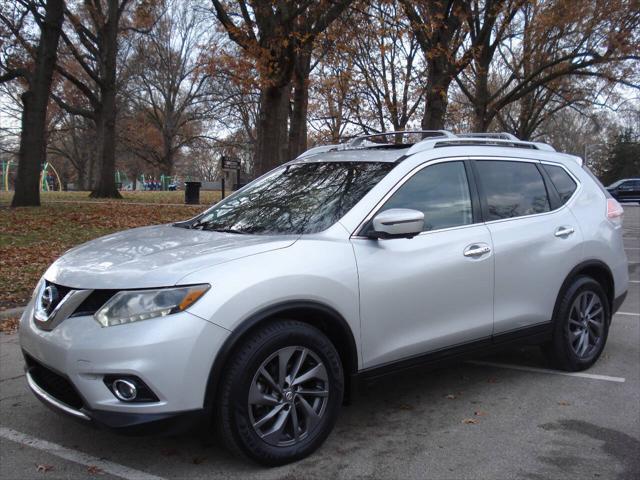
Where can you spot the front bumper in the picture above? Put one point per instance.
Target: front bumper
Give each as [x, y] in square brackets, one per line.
[172, 355]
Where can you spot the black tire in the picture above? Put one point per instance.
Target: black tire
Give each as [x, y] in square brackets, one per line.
[235, 414]
[563, 351]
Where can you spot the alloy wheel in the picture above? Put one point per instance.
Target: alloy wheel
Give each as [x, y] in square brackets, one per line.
[288, 396]
[586, 323]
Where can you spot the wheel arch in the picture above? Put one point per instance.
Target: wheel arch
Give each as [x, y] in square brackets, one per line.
[595, 269]
[317, 314]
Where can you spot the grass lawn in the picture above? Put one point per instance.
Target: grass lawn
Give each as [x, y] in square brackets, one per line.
[206, 197]
[32, 238]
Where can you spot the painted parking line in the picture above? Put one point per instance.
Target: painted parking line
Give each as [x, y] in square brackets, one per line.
[634, 281]
[544, 370]
[76, 456]
[628, 313]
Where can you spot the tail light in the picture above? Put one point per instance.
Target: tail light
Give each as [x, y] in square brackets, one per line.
[614, 211]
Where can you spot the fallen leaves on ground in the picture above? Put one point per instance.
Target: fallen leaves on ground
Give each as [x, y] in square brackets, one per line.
[44, 468]
[470, 421]
[564, 403]
[9, 325]
[32, 238]
[93, 470]
[450, 396]
[480, 413]
[207, 197]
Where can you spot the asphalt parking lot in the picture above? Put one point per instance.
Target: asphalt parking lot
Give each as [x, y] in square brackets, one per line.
[505, 416]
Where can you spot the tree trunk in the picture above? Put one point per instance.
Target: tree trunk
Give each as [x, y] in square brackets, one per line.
[82, 175]
[438, 82]
[273, 115]
[481, 117]
[298, 119]
[166, 167]
[106, 185]
[34, 110]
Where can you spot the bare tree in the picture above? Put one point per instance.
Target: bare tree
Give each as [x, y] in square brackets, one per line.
[35, 98]
[552, 40]
[172, 88]
[274, 35]
[89, 64]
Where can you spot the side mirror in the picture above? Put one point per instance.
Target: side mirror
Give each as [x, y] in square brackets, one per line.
[397, 223]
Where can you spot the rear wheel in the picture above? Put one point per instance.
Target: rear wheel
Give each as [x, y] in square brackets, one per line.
[580, 326]
[281, 393]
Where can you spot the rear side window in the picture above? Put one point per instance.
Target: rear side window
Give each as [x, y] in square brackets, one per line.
[512, 189]
[563, 182]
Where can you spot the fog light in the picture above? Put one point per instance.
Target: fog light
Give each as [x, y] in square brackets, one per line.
[125, 390]
[129, 388]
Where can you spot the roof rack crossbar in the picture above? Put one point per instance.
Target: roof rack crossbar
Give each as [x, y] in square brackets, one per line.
[354, 142]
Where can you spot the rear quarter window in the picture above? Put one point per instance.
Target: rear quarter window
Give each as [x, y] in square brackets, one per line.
[562, 181]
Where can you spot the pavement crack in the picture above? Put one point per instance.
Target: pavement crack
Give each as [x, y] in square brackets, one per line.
[11, 378]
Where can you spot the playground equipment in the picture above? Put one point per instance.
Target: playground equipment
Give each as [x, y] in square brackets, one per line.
[44, 184]
[150, 182]
[5, 175]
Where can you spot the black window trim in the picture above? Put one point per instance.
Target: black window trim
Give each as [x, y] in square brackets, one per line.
[550, 188]
[477, 215]
[571, 175]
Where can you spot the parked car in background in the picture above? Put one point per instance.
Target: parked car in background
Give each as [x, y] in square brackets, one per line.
[352, 261]
[626, 190]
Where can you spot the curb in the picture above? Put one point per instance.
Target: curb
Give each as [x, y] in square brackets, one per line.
[11, 312]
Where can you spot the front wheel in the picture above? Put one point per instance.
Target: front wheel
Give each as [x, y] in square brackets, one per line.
[580, 326]
[281, 393]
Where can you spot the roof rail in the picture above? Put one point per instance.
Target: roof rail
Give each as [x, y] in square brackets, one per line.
[357, 141]
[437, 139]
[464, 140]
[496, 135]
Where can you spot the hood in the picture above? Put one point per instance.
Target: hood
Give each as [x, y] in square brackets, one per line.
[155, 256]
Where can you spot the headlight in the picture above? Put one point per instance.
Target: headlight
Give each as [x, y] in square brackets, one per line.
[133, 305]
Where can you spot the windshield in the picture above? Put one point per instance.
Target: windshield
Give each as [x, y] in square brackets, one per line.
[295, 199]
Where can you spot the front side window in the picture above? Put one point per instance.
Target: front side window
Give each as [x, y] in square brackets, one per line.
[294, 199]
[441, 192]
[562, 181]
[512, 189]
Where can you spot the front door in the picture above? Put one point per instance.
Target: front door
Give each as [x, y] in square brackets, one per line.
[432, 291]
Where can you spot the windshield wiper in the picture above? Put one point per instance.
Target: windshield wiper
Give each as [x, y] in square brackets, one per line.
[225, 230]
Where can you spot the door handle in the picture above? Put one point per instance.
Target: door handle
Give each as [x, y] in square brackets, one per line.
[476, 250]
[564, 231]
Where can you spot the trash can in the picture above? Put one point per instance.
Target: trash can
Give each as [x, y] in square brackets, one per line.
[192, 193]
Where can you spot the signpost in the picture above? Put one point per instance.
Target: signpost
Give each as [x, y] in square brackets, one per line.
[229, 164]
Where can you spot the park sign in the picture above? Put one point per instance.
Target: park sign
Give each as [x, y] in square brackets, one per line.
[230, 163]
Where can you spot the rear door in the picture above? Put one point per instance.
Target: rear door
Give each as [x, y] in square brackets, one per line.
[536, 239]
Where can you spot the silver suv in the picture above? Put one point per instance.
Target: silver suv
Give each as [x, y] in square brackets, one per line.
[348, 262]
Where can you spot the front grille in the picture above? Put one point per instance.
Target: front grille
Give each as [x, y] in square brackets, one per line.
[94, 302]
[54, 384]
